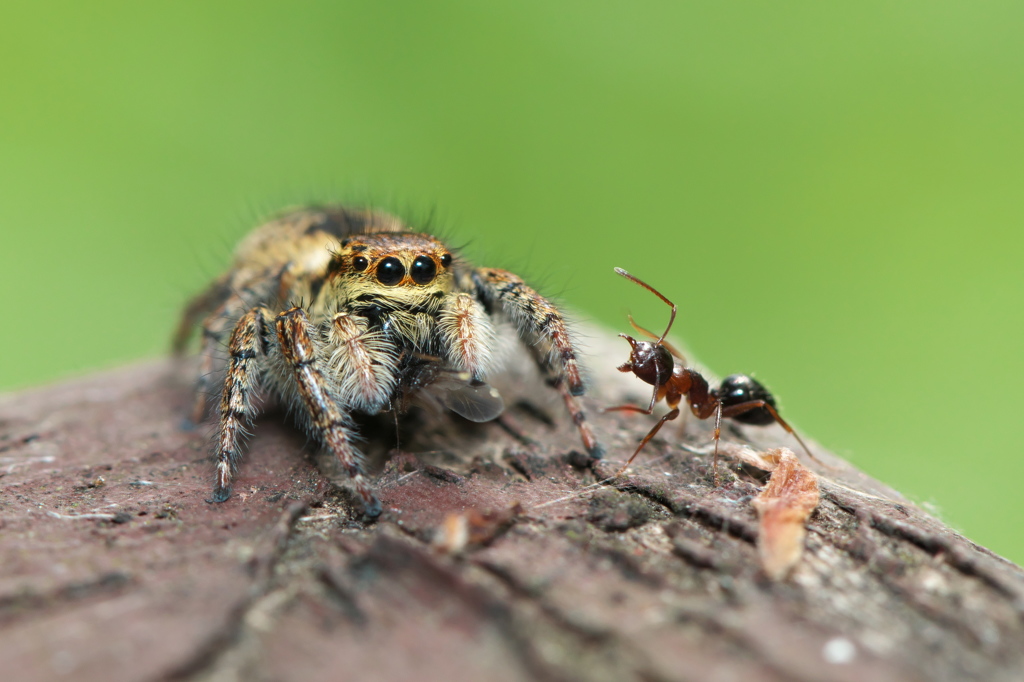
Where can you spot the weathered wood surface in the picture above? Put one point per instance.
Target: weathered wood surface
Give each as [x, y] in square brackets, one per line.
[114, 566]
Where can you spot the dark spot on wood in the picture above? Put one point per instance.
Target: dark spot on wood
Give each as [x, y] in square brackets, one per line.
[528, 464]
[579, 460]
[535, 412]
[441, 474]
[615, 512]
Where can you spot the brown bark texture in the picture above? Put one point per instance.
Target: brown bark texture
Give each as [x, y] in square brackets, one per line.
[116, 567]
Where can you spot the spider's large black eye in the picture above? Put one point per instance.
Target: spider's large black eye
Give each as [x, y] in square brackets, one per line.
[390, 271]
[423, 270]
[359, 263]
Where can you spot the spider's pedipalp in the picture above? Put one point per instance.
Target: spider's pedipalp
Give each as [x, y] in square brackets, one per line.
[466, 334]
[362, 361]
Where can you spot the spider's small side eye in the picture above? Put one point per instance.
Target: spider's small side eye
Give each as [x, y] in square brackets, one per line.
[390, 271]
[360, 263]
[446, 259]
[423, 270]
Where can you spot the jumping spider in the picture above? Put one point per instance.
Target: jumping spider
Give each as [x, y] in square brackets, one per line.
[340, 311]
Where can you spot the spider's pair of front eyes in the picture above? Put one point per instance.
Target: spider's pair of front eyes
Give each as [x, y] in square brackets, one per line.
[391, 271]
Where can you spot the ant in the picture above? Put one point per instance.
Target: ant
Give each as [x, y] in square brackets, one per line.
[739, 397]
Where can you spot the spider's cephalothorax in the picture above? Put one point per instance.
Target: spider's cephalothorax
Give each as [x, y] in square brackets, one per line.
[340, 310]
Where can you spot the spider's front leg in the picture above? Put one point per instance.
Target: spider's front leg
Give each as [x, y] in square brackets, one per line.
[240, 385]
[542, 327]
[306, 361]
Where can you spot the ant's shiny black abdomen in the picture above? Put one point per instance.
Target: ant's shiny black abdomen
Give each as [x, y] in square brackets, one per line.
[741, 388]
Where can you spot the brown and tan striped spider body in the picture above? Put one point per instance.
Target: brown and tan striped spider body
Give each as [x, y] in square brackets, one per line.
[339, 311]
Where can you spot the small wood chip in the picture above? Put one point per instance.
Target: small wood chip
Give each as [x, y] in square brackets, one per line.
[473, 528]
[783, 506]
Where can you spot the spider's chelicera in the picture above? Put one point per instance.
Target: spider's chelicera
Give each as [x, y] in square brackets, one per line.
[339, 310]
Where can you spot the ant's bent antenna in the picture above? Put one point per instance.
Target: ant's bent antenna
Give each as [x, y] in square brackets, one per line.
[645, 285]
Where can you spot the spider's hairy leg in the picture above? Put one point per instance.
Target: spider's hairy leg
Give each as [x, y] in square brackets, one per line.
[240, 384]
[198, 307]
[534, 315]
[211, 306]
[212, 335]
[233, 303]
[467, 334]
[579, 418]
[331, 423]
[543, 328]
[363, 362]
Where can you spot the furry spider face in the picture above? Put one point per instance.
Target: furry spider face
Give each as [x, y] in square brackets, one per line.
[338, 310]
[390, 260]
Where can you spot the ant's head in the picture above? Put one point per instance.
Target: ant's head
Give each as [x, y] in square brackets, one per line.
[740, 388]
[650, 362]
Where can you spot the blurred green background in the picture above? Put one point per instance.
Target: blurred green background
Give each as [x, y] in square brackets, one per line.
[833, 193]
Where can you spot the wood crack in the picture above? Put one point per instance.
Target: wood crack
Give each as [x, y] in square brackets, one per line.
[261, 568]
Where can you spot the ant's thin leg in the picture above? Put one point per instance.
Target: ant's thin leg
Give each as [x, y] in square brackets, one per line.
[650, 434]
[718, 433]
[628, 408]
[634, 408]
[741, 408]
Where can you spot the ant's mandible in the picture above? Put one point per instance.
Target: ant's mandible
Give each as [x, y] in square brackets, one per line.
[739, 397]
